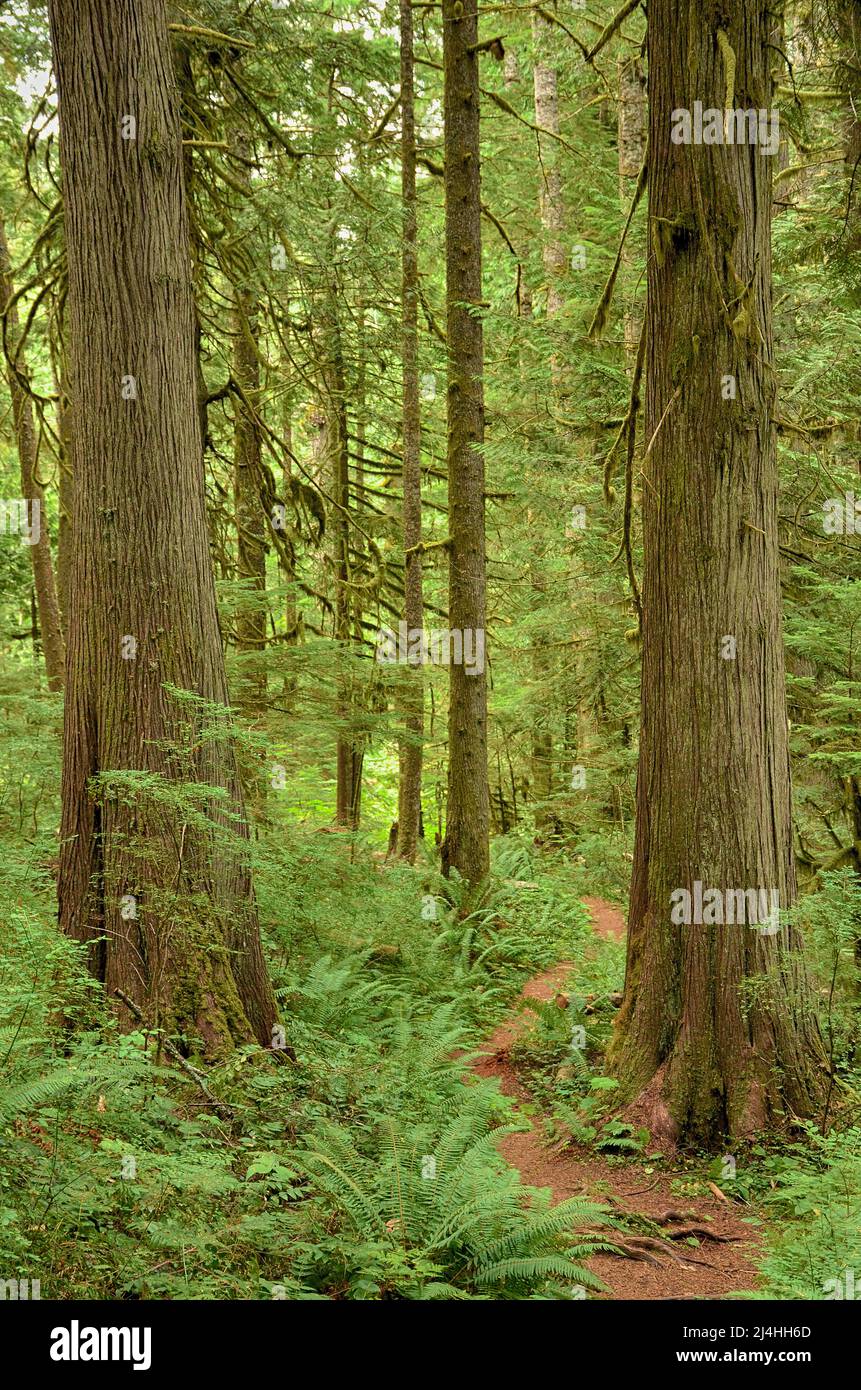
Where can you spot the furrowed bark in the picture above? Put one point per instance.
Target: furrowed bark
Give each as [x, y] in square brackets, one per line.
[154, 881]
[717, 1035]
[410, 785]
[466, 844]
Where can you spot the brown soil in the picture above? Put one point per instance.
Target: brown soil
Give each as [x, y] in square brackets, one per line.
[721, 1264]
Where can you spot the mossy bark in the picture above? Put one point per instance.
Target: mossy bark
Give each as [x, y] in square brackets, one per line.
[153, 879]
[412, 699]
[717, 1034]
[466, 844]
[349, 755]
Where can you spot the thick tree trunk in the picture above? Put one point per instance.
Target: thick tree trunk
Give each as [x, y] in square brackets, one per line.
[47, 605]
[716, 1035]
[165, 904]
[410, 787]
[466, 845]
[192, 121]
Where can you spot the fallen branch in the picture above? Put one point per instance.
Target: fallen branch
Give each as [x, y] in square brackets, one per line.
[220, 1108]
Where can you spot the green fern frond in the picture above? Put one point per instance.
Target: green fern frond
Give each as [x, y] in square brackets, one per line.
[532, 1269]
[30, 1095]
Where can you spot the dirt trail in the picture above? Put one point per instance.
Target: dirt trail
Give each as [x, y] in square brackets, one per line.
[714, 1269]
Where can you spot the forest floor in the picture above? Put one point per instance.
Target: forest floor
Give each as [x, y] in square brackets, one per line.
[656, 1268]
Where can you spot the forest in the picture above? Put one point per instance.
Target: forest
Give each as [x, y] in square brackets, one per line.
[430, 646]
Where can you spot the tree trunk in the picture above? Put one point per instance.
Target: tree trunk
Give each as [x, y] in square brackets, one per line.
[541, 742]
[251, 521]
[66, 478]
[552, 213]
[287, 561]
[410, 787]
[716, 1035]
[47, 605]
[348, 755]
[466, 846]
[545, 84]
[632, 149]
[162, 895]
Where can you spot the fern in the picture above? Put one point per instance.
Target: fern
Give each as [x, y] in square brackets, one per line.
[461, 1213]
[28, 1096]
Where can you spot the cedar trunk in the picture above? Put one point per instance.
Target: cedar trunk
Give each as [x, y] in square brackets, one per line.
[161, 893]
[466, 844]
[410, 787]
[716, 1034]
